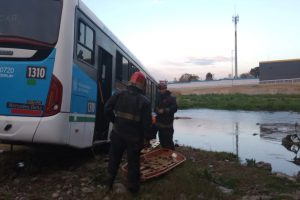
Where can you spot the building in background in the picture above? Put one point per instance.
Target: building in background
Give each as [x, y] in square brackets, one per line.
[279, 71]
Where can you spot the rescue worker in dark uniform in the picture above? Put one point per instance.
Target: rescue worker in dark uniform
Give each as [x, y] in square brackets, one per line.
[165, 108]
[130, 112]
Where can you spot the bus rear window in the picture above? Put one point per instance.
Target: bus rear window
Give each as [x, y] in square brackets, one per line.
[85, 43]
[37, 20]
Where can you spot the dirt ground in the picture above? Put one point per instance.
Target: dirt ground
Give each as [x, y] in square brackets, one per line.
[68, 174]
[243, 89]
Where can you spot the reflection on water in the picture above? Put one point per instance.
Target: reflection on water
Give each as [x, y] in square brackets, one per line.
[237, 138]
[239, 132]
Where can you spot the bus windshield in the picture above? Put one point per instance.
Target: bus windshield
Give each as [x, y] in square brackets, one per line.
[37, 20]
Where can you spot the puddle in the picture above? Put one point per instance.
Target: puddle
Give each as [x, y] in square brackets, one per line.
[249, 134]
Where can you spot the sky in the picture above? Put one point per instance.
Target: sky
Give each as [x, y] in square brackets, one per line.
[174, 37]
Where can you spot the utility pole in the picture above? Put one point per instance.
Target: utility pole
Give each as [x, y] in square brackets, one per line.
[235, 20]
[232, 76]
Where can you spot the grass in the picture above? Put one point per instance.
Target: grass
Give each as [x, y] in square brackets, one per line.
[276, 102]
[204, 172]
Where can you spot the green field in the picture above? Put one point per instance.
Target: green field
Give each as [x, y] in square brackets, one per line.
[276, 102]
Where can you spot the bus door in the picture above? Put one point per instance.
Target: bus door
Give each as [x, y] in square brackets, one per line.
[104, 82]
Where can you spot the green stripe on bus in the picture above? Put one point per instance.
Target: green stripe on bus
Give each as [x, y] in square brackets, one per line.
[31, 82]
[81, 119]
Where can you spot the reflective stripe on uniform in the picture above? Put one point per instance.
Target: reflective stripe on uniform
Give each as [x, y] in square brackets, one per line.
[128, 116]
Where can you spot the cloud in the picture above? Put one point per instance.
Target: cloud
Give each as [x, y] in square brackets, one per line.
[198, 61]
[206, 61]
[173, 63]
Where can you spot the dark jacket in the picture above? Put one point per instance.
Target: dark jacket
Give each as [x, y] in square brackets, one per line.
[130, 111]
[167, 102]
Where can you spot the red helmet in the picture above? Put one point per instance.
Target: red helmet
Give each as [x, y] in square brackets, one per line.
[162, 85]
[138, 79]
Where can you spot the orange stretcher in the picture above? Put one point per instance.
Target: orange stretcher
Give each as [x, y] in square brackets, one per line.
[157, 162]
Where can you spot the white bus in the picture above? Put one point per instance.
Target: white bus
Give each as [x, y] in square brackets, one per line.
[58, 66]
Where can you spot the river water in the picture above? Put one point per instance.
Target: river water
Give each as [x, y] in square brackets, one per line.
[238, 132]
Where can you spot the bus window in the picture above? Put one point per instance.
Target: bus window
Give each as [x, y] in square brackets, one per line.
[132, 69]
[32, 20]
[81, 33]
[125, 64]
[85, 43]
[153, 86]
[119, 66]
[89, 39]
[148, 89]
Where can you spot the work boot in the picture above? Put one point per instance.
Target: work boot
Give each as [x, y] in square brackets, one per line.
[110, 183]
[133, 188]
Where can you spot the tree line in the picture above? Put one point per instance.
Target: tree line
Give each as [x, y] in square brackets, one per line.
[253, 73]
